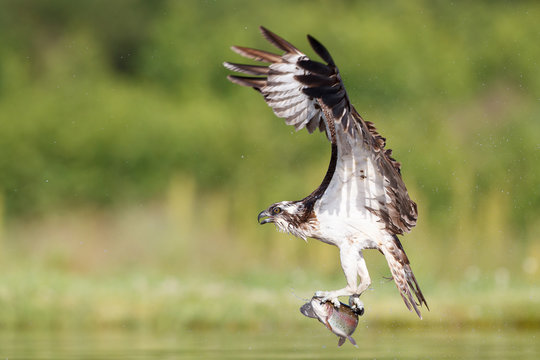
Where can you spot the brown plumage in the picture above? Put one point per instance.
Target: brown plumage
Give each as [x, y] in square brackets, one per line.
[403, 275]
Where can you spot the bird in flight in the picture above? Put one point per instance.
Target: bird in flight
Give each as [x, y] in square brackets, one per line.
[362, 202]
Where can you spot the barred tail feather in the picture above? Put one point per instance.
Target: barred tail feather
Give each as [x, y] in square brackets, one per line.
[403, 275]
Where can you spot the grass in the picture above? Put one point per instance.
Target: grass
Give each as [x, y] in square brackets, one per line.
[65, 272]
[45, 299]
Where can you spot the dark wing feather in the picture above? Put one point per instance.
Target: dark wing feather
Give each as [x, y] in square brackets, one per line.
[310, 94]
[320, 50]
[279, 42]
[315, 67]
[315, 80]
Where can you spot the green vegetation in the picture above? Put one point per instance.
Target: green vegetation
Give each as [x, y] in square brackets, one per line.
[131, 171]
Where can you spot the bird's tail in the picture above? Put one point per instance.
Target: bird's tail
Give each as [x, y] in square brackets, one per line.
[403, 275]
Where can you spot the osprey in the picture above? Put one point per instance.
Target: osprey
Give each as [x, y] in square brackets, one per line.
[362, 202]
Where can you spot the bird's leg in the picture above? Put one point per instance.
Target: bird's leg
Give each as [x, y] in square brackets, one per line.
[349, 260]
[365, 281]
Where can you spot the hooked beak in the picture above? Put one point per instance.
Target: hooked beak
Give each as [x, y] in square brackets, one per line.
[264, 214]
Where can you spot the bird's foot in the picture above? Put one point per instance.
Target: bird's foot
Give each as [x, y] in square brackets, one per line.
[356, 304]
[331, 296]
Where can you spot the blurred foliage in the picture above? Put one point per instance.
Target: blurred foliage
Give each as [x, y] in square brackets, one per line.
[117, 105]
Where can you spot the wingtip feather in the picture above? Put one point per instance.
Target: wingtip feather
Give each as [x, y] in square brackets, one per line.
[278, 41]
[320, 50]
[257, 55]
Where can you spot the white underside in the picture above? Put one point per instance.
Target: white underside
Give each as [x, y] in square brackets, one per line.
[342, 214]
[356, 185]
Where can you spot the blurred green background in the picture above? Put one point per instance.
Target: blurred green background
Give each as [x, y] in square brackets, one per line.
[132, 172]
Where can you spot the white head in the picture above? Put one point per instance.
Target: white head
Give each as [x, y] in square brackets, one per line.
[287, 216]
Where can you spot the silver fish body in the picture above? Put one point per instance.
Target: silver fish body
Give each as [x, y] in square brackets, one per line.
[341, 321]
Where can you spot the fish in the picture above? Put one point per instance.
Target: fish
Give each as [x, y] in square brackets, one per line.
[341, 321]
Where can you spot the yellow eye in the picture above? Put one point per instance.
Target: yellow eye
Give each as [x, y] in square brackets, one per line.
[276, 210]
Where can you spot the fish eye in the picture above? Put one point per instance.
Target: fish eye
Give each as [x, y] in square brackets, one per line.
[276, 210]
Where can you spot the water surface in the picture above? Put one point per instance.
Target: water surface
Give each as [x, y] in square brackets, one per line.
[311, 344]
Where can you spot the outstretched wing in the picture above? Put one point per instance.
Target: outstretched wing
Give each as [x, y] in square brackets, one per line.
[311, 94]
[279, 86]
